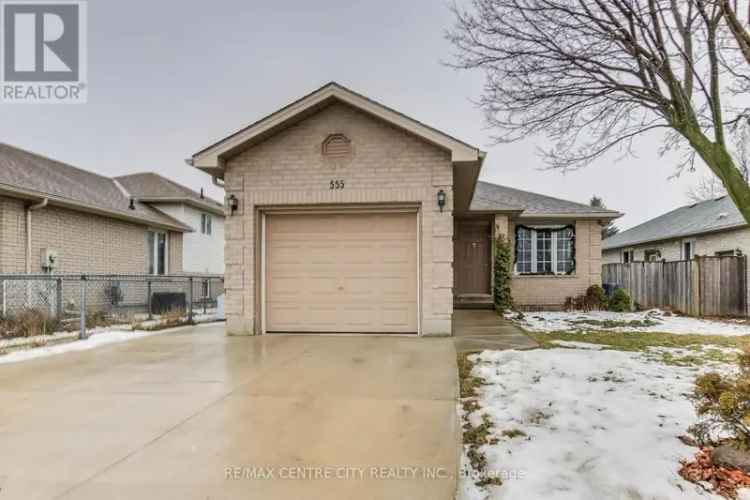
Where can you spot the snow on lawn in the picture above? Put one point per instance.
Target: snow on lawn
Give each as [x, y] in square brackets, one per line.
[647, 321]
[597, 424]
[97, 338]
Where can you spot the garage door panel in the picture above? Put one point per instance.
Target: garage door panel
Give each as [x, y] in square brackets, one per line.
[341, 273]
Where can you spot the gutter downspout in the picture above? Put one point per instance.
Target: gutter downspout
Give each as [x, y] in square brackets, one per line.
[30, 209]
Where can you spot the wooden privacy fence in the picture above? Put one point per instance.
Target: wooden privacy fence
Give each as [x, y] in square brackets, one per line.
[704, 286]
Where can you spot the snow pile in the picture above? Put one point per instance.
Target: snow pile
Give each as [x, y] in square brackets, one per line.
[98, 338]
[647, 321]
[598, 424]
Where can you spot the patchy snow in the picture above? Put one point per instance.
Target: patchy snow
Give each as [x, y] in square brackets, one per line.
[98, 337]
[598, 424]
[654, 320]
[578, 345]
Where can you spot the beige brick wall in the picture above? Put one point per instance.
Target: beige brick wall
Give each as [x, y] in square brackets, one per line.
[86, 243]
[175, 252]
[551, 291]
[12, 236]
[388, 166]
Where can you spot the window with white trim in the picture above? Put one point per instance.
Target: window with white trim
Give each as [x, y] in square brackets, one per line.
[206, 224]
[688, 249]
[156, 247]
[543, 250]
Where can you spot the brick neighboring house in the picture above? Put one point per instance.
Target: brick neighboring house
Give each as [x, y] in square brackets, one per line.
[710, 228]
[86, 220]
[203, 249]
[346, 216]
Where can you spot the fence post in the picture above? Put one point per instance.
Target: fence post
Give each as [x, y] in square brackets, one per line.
[82, 333]
[190, 299]
[59, 299]
[695, 282]
[206, 297]
[148, 300]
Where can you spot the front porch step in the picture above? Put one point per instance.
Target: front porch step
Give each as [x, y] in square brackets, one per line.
[473, 301]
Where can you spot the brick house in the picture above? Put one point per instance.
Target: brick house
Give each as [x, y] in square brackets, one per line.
[84, 222]
[712, 228]
[347, 216]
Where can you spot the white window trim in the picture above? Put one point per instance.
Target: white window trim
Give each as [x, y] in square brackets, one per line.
[631, 253]
[155, 251]
[553, 251]
[206, 224]
[692, 249]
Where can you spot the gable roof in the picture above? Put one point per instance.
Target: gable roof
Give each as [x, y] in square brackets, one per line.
[495, 198]
[31, 176]
[153, 188]
[211, 158]
[689, 220]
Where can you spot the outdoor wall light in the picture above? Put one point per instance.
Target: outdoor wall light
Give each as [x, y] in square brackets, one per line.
[441, 199]
[233, 204]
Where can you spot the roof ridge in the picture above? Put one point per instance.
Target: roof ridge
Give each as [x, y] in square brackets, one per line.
[53, 160]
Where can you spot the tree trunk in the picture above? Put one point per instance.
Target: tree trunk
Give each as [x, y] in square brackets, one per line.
[722, 164]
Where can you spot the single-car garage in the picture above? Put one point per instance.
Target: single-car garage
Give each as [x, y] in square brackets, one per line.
[341, 272]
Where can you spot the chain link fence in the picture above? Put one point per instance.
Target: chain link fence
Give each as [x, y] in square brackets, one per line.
[81, 301]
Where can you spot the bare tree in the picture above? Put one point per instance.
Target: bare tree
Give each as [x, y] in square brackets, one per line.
[708, 188]
[609, 229]
[593, 75]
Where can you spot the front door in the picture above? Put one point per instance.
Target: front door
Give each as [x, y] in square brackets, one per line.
[472, 253]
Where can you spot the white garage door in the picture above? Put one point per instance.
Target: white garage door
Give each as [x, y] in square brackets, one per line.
[341, 273]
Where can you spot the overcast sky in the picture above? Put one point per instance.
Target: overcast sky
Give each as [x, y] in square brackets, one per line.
[169, 77]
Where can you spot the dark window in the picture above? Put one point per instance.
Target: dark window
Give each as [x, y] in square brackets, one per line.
[652, 255]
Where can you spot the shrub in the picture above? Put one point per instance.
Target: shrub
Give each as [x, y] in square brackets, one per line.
[596, 297]
[503, 274]
[620, 301]
[28, 323]
[723, 403]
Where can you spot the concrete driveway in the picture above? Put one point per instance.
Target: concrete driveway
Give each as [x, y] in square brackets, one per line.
[197, 415]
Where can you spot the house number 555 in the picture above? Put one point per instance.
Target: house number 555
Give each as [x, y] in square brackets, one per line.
[337, 184]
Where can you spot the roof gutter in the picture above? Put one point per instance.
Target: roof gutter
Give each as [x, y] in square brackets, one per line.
[29, 209]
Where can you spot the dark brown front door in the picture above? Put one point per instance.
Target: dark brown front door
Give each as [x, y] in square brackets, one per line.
[472, 256]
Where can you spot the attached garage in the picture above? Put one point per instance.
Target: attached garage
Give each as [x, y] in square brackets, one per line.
[341, 272]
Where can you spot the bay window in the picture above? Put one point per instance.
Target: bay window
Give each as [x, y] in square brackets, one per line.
[545, 250]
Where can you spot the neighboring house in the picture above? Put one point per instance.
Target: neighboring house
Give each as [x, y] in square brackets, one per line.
[58, 218]
[203, 249]
[348, 216]
[713, 227]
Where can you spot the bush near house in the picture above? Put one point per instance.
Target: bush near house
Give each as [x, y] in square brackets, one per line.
[621, 301]
[503, 274]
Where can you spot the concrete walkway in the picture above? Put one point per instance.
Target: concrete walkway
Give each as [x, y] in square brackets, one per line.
[198, 415]
[479, 329]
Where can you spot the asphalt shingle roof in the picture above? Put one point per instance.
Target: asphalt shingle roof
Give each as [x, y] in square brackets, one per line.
[152, 186]
[689, 220]
[502, 198]
[28, 171]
